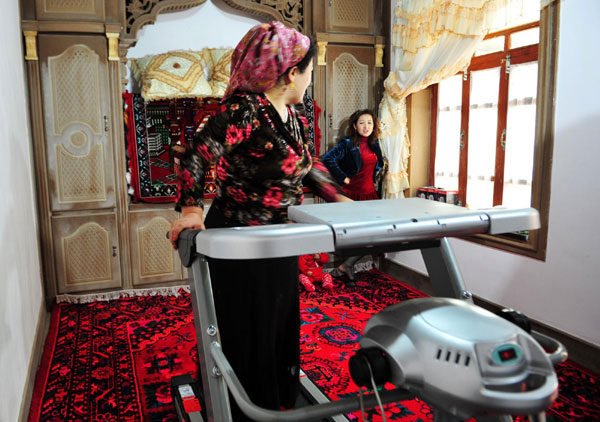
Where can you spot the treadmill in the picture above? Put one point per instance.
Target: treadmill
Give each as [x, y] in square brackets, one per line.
[509, 370]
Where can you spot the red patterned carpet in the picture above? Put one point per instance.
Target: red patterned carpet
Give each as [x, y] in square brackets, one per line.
[112, 361]
[331, 326]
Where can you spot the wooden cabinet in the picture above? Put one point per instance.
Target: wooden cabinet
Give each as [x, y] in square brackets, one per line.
[75, 147]
[91, 237]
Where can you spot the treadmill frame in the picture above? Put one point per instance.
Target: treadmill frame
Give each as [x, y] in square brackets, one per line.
[315, 234]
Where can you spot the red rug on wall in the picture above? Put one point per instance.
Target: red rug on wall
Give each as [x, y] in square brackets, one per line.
[111, 361]
[156, 130]
[153, 132]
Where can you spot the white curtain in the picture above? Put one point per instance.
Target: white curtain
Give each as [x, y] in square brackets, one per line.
[431, 40]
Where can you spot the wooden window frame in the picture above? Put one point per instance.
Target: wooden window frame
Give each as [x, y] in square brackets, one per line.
[547, 53]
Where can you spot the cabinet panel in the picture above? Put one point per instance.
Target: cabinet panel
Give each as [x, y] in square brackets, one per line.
[153, 259]
[76, 109]
[351, 16]
[349, 86]
[86, 252]
[85, 10]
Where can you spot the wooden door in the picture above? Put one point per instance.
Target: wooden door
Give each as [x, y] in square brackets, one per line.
[79, 148]
[79, 151]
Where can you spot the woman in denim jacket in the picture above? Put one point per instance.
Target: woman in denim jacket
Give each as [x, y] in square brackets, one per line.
[354, 163]
[356, 159]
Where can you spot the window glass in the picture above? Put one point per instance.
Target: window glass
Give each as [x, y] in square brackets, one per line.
[483, 125]
[527, 37]
[448, 133]
[520, 135]
[506, 178]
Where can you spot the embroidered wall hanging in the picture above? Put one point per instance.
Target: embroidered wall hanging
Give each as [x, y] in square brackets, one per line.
[153, 132]
[310, 111]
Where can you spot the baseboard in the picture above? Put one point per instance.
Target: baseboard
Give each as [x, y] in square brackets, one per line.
[39, 340]
[413, 278]
[580, 351]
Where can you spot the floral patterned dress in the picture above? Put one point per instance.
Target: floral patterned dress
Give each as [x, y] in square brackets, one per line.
[262, 164]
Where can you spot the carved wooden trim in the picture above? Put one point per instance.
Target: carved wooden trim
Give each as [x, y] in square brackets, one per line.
[322, 45]
[113, 46]
[290, 12]
[379, 55]
[141, 12]
[30, 45]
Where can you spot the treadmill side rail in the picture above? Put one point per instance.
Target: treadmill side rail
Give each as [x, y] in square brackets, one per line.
[511, 220]
[259, 242]
[207, 332]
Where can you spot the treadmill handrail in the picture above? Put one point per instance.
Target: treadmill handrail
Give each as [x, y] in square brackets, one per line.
[558, 352]
[268, 241]
[305, 413]
[317, 231]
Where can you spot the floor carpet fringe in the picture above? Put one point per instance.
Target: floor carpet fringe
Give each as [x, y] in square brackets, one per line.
[107, 296]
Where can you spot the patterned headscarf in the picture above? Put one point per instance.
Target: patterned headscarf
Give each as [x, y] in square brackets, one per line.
[261, 57]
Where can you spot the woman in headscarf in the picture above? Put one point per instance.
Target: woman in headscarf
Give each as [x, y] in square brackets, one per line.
[262, 162]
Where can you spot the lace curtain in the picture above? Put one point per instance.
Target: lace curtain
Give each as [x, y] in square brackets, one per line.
[432, 40]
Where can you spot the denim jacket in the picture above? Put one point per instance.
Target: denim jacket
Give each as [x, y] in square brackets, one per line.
[345, 161]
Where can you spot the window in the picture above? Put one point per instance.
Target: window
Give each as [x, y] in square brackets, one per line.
[491, 128]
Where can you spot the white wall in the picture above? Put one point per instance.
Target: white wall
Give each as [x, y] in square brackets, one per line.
[20, 283]
[563, 291]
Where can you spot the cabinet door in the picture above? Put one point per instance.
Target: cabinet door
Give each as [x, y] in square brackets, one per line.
[350, 16]
[153, 260]
[79, 147]
[86, 252]
[349, 86]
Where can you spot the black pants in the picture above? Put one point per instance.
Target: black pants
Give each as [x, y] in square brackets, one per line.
[257, 305]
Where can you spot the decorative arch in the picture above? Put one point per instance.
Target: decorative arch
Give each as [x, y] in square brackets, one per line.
[290, 12]
[142, 12]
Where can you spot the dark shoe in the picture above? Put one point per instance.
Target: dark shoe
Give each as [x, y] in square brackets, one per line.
[336, 273]
[349, 271]
[349, 283]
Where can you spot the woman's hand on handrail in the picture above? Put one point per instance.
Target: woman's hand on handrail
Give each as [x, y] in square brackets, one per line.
[191, 218]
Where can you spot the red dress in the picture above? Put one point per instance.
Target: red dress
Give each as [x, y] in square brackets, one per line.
[361, 186]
